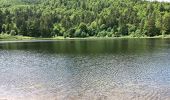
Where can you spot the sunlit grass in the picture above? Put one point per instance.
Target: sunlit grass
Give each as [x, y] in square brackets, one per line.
[9, 37]
[18, 37]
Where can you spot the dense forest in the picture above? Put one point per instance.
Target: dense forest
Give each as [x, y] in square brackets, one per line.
[84, 18]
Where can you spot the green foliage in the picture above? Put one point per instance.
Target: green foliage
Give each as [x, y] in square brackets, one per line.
[104, 34]
[83, 28]
[123, 30]
[83, 18]
[71, 32]
[166, 24]
[58, 30]
[137, 33]
[13, 33]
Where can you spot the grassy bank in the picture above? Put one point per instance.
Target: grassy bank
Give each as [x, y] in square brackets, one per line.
[10, 37]
[4, 37]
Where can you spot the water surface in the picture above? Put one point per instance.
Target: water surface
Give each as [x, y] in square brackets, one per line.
[104, 69]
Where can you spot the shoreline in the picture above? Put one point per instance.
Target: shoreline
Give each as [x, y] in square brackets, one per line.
[7, 37]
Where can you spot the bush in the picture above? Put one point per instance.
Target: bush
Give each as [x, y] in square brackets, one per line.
[116, 34]
[80, 33]
[103, 27]
[77, 33]
[83, 34]
[137, 33]
[102, 34]
[66, 35]
[131, 28]
[71, 32]
[92, 32]
[83, 27]
[13, 33]
[109, 34]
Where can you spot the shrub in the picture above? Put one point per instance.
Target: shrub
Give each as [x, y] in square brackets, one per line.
[102, 34]
[13, 32]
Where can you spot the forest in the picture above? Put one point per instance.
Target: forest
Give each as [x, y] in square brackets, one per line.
[84, 18]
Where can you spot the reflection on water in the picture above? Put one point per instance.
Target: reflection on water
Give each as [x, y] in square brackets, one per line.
[86, 70]
[90, 46]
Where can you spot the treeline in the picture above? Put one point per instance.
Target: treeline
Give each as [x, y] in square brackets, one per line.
[83, 18]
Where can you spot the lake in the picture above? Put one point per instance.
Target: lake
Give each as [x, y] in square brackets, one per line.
[85, 69]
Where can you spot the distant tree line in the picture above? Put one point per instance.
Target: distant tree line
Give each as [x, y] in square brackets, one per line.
[84, 18]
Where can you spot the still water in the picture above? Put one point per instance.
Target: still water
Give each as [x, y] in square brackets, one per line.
[102, 69]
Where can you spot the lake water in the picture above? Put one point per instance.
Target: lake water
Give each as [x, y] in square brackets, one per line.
[102, 69]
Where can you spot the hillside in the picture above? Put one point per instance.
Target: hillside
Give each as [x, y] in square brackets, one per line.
[83, 18]
[8, 3]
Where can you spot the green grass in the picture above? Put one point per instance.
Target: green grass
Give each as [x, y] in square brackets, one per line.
[9, 37]
[4, 37]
